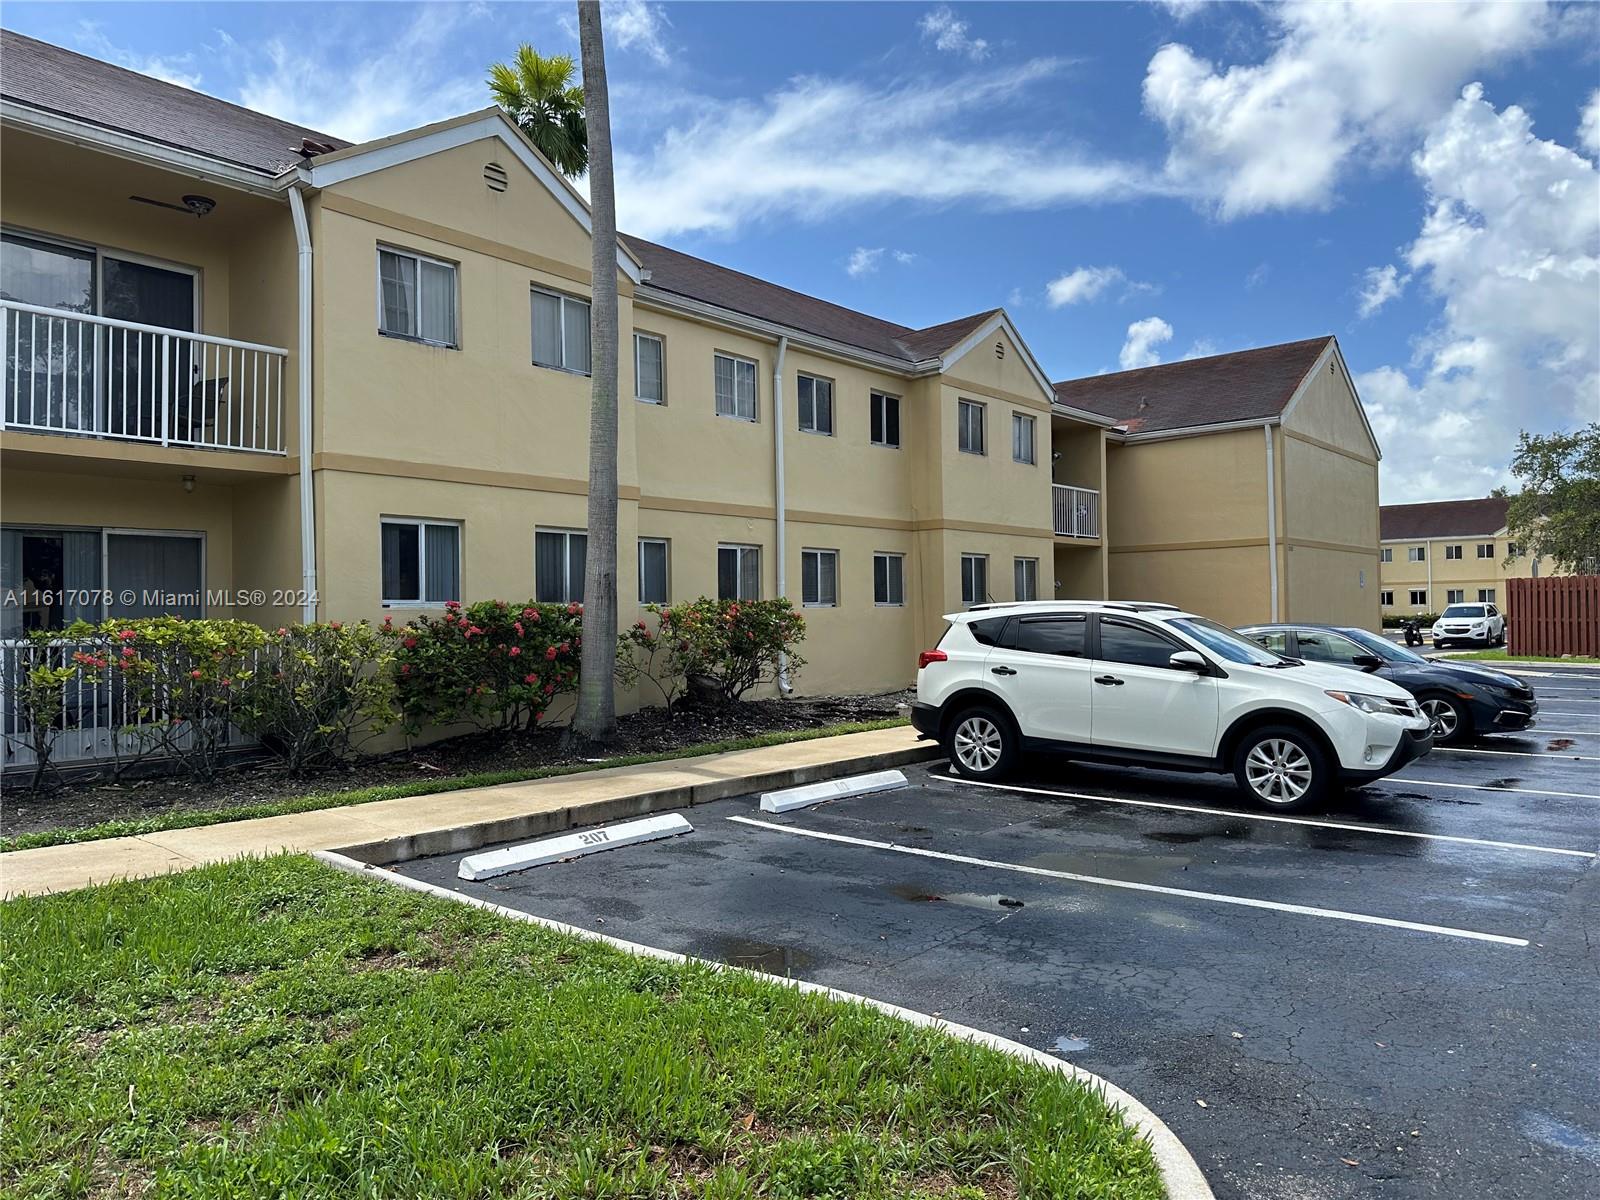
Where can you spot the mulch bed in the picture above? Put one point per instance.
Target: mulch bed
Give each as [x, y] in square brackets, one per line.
[88, 800]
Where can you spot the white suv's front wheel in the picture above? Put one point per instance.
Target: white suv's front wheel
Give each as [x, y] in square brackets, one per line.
[1281, 767]
[982, 743]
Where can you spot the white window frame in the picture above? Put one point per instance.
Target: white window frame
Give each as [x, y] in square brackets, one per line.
[799, 410]
[1386, 598]
[666, 544]
[1019, 420]
[421, 524]
[1025, 563]
[755, 387]
[1485, 549]
[568, 593]
[1386, 554]
[1452, 553]
[1416, 554]
[742, 549]
[982, 410]
[565, 299]
[983, 598]
[455, 296]
[639, 334]
[1486, 596]
[900, 565]
[879, 402]
[819, 554]
[1423, 592]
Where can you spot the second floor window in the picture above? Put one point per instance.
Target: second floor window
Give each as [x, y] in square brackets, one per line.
[1452, 552]
[649, 368]
[560, 332]
[1022, 427]
[885, 420]
[559, 556]
[1417, 554]
[816, 405]
[416, 297]
[969, 426]
[1386, 554]
[1485, 549]
[736, 387]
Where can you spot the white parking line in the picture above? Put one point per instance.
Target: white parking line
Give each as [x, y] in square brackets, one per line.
[1541, 689]
[1490, 787]
[1573, 732]
[1517, 753]
[1561, 712]
[1128, 885]
[1281, 820]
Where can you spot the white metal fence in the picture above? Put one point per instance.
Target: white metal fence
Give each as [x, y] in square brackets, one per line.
[76, 373]
[1077, 511]
[99, 722]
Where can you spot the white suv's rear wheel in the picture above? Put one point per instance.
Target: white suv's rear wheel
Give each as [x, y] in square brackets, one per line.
[1281, 767]
[981, 743]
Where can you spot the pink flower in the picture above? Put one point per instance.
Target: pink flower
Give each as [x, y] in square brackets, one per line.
[517, 625]
[226, 682]
[409, 643]
[127, 652]
[574, 609]
[566, 647]
[128, 635]
[531, 678]
[549, 689]
[550, 652]
[515, 651]
[405, 668]
[452, 604]
[194, 674]
[531, 612]
[283, 631]
[335, 624]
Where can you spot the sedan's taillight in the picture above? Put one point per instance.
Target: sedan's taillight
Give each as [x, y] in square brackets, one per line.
[931, 656]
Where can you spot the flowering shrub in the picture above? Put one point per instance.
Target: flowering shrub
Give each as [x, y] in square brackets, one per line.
[316, 688]
[722, 647]
[495, 664]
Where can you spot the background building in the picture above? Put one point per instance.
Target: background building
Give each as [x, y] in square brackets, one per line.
[1449, 552]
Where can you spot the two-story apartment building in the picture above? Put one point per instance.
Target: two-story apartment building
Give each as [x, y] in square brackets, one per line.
[1449, 552]
[252, 371]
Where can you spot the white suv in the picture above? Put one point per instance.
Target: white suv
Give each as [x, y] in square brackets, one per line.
[1471, 623]
[1153, 686]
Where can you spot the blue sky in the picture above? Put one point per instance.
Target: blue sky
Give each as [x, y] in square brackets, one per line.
[1135, 183]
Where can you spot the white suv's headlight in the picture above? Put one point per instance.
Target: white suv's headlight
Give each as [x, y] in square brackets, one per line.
[1375, 704]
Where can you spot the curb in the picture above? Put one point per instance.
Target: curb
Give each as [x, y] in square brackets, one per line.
[458, 839]
[1180, 1174]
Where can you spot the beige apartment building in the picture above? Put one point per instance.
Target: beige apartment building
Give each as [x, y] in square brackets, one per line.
[252, 371]
[1449, 552]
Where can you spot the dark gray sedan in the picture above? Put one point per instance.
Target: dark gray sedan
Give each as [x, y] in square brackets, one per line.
[1462, 700]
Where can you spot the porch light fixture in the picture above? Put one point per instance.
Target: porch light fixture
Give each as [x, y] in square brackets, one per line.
[188, 483]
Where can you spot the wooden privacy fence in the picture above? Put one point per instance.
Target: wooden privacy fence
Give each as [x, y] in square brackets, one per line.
[1553, 616]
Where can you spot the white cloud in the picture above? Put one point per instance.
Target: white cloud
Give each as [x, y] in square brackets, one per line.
[863, 261]
[1081, 284]
[1379, 285]
[1258, 275]
[817, 146]
[1356, 76]
[179, 69]
[1589, 125]
[948, 32]
[636, 25]
[1143, 338]
[904, 257]
[1510, 246]
[1200, 348]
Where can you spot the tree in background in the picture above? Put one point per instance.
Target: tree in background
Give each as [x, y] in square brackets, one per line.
[1557, 512]
[596, 715]
[539, 95]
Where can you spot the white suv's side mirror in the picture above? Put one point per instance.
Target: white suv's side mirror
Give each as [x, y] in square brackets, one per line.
[1189, 660]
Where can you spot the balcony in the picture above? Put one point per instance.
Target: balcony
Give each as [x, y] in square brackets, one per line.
[1076, 511]
[89, 376]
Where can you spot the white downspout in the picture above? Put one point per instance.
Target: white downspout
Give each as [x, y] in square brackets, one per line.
[1272, 520]
[779, 499]
[308, 524]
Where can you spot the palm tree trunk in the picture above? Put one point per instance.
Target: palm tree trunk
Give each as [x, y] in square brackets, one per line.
[596, 716]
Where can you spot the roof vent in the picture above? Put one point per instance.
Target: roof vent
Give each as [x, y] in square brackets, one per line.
[310, 148]
[999, 349]
[495, 176]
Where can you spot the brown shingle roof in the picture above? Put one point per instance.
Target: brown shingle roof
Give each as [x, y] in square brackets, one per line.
[1243, 386]
[74, 85]
[1443, 518]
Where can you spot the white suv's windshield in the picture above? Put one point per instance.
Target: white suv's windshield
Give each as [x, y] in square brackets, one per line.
[1227, 643]
[1464, 610]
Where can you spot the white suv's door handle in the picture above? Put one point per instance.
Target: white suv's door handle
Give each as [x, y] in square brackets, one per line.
[1108, 680]
[1003, 670]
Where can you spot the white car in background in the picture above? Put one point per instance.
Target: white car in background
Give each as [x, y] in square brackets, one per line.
[1473, 624]
[1149, 685]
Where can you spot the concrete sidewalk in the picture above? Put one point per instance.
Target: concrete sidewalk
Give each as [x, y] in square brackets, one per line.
[392, 830]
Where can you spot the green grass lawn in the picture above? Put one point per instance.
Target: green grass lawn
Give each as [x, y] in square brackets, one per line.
[193, 818]
[278, 1028]
[1502, 656]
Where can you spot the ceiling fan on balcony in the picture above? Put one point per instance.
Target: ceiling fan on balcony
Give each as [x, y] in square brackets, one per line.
[197, 206]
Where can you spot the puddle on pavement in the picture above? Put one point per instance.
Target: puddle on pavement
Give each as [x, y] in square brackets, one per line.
[1068, 1044]
[918, 894]
[1560, 1135]
[1173, 837]
[754, 955]
[1508, 781]
[1561, 744]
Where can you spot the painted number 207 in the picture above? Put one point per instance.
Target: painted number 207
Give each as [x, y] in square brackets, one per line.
[593, 837]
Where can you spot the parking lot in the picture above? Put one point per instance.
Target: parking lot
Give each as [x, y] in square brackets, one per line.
[1395, 996]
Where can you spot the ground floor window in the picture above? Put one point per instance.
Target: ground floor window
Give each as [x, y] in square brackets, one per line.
[1486, 596]
[738, 572]
[655, 555]
[819, 578]
[1454, 595]
[1025, 572]
[889, 580]
[1419, 596]
[421, 560]
[559, 559]
[1386, 599]
[974, 578]
[50, 578]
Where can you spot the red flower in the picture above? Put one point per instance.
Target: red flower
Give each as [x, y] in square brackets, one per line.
[530, 677]
[574, 609]
[409, 643]
[515, 651]
[128, 635]
[194, 674]
[127, 652]
[566, 647]
[284, 632]
[549, 689]
[517, 625]
[550, 653]
[530, 612]
[405, 668]
[335, 624]
[452, 604]
[226, 682]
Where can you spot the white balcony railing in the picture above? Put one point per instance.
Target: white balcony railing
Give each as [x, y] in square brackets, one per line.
[1077, 511]
[88, 376]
